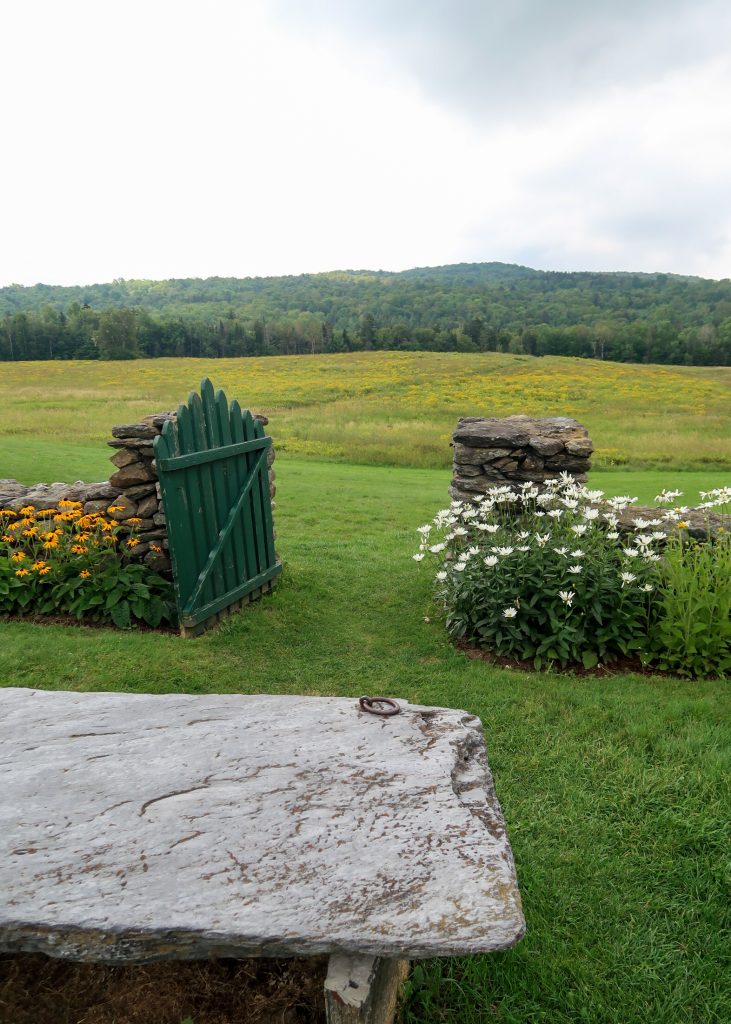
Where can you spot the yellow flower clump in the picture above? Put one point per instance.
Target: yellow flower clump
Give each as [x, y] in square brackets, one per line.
[54, 540]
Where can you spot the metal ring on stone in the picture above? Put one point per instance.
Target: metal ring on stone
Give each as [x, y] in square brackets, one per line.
[387, 706]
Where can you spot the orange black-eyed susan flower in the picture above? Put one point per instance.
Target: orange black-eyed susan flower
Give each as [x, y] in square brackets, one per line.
[19, 556]
[85, 574]
[21, 572]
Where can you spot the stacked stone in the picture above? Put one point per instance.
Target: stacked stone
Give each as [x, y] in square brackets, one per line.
[516, 450]
[94, 497]
[264, 420]
[138, 490]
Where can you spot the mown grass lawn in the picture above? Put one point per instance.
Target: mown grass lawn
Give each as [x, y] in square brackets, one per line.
[615, 790]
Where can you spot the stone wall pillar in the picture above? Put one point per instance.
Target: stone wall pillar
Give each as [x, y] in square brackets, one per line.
[516, 450]
[138, 489]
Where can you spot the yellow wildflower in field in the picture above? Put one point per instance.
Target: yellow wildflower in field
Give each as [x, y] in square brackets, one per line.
[38, 566]
[79, 549]
[156, 549]
[44, 571]
[134, 519]
[7, 512]
[107, 525]
[30, 532]
[19, 556]
[85, 574]
[22, 572]
[46, 512]
[132, 542]
[115, 508]
[8, 538]
[28, 510]
[397, 408]
[69, 504]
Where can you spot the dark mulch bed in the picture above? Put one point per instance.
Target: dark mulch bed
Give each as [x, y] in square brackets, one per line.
[36, 989]
[71, 620]
[622, 666]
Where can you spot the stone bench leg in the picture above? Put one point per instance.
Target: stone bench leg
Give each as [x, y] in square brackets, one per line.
[363, 989]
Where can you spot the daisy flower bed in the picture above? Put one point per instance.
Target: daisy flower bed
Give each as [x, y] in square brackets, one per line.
[551, 576]
[61, 561]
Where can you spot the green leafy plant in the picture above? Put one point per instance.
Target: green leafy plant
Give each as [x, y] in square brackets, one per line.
[692, 635]
[64, 561]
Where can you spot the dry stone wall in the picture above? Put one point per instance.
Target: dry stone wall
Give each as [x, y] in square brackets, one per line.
[492, 452]
[138, 490]
[132, 492]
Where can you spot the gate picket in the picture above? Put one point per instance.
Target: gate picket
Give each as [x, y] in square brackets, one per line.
[242, 469]
[212, 465]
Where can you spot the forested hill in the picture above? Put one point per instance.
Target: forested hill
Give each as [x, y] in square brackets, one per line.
[658, 318]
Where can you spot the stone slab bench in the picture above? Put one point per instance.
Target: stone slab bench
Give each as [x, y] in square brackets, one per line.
[136, 828]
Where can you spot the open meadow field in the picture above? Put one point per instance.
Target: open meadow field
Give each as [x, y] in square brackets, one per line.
[374, 408]
[614, 789]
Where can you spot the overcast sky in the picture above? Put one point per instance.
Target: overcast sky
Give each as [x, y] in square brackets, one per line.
[182, 138]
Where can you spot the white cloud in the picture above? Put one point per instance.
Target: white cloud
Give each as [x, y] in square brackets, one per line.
[497, 60]
[183, 139]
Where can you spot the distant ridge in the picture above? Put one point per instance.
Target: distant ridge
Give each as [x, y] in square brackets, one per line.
[485, 272]
[632, 317]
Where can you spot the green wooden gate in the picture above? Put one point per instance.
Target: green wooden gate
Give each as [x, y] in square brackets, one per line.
[213, 470]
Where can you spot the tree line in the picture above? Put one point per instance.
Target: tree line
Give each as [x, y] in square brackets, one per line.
[657, 318]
